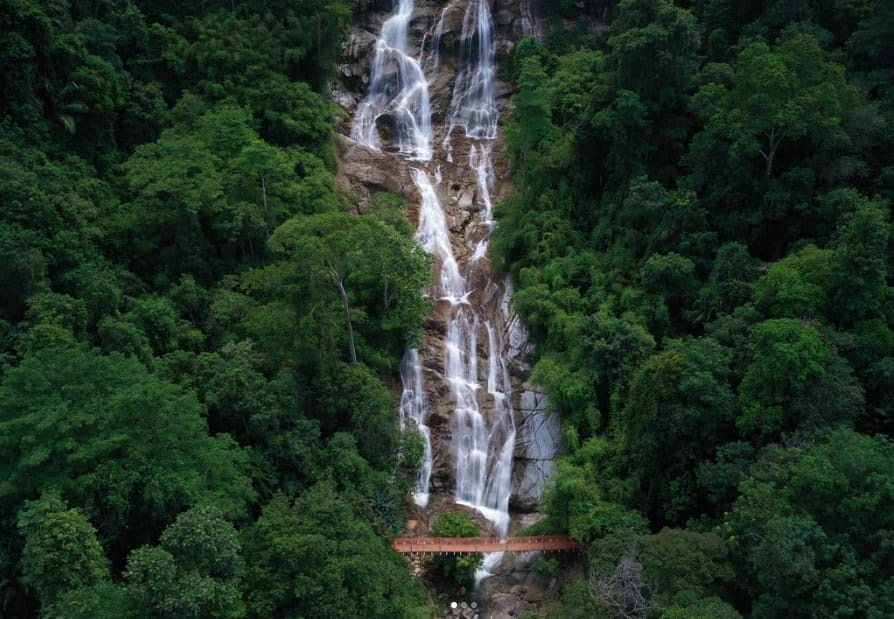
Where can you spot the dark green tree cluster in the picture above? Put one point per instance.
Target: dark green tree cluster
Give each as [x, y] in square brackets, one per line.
[460, 568]
[701, 240]
[197, 335]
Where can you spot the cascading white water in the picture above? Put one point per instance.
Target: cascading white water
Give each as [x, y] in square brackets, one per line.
[483, 430]
[480, 162]
[434, 236]
[413, 410]
[473, 106]
[434, 59]
[484, 445]
[398, 92]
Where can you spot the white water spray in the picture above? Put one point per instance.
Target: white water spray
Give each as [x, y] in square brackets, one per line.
[398, 93]
[413, 410]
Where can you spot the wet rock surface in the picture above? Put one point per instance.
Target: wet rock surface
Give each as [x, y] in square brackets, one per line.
[365, 171]
[538, 436]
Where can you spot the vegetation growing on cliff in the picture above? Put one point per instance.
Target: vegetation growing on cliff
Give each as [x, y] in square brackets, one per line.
[460, 568]
[701, 243]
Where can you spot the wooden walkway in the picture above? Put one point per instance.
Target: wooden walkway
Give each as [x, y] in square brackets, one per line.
[468, 545]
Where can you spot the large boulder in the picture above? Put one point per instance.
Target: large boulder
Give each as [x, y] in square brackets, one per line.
[529, 479]
[365, 169]
[503, 606]
[538, 432]
[358, 51]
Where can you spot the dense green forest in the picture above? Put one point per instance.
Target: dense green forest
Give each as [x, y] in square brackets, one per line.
[188, 428]
[700, 238]
[199, 337]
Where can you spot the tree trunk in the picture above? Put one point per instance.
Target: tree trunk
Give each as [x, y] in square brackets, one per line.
[770, 157]
[264, 197]
[347, 308]
[774, 138]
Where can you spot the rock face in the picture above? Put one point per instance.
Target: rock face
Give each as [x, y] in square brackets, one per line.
[537, 441]
[365, 171]
[435, 28]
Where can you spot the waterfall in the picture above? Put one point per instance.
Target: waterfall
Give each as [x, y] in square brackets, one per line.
[397, 107]
[484, 445]
[434, 236]
[434, 60]
[398, 93]
[414, 410]
[480, 162]
[473, 106]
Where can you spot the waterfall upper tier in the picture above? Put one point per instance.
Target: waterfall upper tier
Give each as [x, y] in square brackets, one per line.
[398, 99]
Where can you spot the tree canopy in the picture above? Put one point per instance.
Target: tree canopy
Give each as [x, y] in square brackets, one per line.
[196, 326]
[200, 333]
[699, 234]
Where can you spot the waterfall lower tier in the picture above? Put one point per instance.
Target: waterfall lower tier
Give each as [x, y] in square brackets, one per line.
[413, 411]
[483, 433]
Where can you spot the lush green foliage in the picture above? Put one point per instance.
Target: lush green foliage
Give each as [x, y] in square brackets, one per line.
[197, 336]
[810, 531]
[315, 558]
[701, 242]
[61, 550]
[461, 568]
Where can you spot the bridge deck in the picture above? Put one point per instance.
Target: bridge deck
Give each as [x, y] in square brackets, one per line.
[467, 545]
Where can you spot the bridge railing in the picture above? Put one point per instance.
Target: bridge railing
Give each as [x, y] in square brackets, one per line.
[485, 544]
[537, 539]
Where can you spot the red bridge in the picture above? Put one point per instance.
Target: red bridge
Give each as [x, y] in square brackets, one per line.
[468, 545]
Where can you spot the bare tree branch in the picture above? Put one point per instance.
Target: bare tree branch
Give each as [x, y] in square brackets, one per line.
[625, 591]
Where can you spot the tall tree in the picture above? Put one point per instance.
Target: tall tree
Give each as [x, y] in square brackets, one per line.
[762, 121]
[861, 262]
[361, 262]
[311, 558]
[61, 550]
[779, 95]
[680, 406]
[192, 573]
[808, 533]
[118, 442]
[794, 382]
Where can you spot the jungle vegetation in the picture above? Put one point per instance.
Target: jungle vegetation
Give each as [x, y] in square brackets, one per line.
[199, 336]
[700, 238]
[191, 424]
